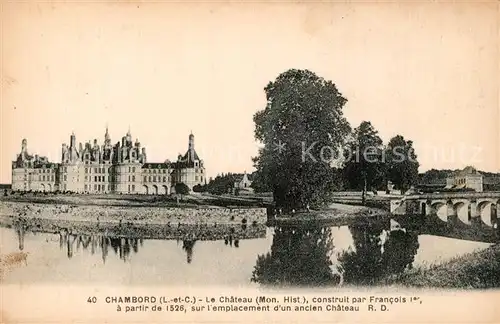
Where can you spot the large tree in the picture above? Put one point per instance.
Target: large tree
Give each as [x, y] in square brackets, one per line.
[364, 166]
[259, 183]
[402, 163]
[301, 128]
[181, 189]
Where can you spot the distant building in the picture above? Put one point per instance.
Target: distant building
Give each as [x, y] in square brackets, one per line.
[242, 181]
[107, 168]
[468, 178]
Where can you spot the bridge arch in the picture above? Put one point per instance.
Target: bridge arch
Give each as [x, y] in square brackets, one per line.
[155, 190]
[461, 209]
[423, 208]
[488, 211]
[441, 209]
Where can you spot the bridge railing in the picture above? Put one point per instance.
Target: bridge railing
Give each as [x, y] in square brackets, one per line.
[455, 195]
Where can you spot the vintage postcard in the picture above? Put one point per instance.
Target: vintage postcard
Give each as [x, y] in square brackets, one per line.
[250, 162]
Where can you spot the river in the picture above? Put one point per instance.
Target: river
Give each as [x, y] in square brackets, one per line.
[311, 256]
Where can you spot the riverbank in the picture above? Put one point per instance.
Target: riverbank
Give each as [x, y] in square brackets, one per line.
[136, 200]
[477, 270]
[199, 222]
[336, 214]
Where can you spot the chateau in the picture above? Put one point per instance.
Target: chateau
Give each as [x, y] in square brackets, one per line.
[98, 169]
[467, 178]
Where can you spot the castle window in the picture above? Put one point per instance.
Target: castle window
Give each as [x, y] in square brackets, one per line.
[95, 187]
[95, 170]
[95, 178]
[129, 179]
[108, 187]
[154, 178]
[145, 179]
[133, 178]
[201, 178]
[86, 178]
[52, 177]
[86, 170]
[164, 179]
[133, 188]
[128, 188]
[65, 178]
[129, 171]
[149, 178]
[133, 169]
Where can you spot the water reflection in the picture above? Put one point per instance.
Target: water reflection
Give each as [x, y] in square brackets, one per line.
[120, 245]
[377, 253]
[304, 256]
[20, 233]
[363, 262]
[299, 256]
[312, 255]
[188, 245]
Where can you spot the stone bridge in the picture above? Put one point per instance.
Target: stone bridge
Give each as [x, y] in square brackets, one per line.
[467, 207]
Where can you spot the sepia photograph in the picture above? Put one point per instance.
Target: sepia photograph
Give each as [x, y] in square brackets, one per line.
[183, 162]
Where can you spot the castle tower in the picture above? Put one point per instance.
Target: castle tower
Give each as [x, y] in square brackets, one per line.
[24, 146]
[72, 142]
[191, 142]
[129, 136]
[107, 138]
[191, 152]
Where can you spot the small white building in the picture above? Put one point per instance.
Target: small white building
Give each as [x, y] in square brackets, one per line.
[242, 181]
[469, 178]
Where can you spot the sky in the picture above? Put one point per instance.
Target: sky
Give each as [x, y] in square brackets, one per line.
[429, 72]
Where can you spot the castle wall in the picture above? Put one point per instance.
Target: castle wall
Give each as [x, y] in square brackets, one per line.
[475, 182]
[88, 171]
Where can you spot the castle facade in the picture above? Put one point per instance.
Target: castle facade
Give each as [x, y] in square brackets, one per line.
[107, 168]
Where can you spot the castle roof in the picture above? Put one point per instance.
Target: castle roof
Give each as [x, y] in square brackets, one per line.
[156, 166]
[190, 156]
[469, 170]
[45, 165]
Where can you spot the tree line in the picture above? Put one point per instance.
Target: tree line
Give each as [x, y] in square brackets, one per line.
[310, 150]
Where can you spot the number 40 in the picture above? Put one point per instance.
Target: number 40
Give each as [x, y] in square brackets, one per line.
[92, 300]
